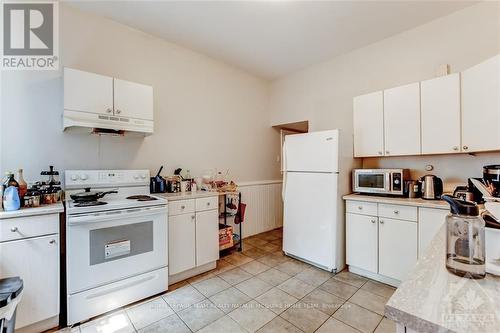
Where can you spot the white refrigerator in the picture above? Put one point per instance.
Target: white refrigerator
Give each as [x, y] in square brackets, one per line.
[310, 195]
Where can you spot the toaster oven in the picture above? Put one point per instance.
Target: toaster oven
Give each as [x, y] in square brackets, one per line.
[380, 181]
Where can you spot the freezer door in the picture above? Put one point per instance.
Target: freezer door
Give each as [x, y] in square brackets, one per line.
[312, 152]
[310, 225]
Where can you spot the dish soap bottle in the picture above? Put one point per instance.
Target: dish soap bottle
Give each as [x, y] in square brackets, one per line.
[465, 255]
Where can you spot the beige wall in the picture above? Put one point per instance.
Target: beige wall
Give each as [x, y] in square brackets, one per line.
[323, 93]
[207, 114]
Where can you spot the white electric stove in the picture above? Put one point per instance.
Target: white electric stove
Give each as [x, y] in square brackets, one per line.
[116, 247]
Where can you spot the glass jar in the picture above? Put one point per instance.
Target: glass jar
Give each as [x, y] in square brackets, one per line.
[465, 255]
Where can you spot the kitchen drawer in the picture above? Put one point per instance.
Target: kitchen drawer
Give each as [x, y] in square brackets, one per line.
[207, 203]
[26, 227]
[361, 207]
[180, 207]
[406, 213]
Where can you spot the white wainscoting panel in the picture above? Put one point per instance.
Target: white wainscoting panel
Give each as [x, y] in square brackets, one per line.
[264, 210]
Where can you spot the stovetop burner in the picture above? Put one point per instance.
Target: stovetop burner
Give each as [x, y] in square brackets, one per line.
[142, 198]
[90, 203]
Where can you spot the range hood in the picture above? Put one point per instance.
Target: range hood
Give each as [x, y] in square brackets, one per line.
[92, 123]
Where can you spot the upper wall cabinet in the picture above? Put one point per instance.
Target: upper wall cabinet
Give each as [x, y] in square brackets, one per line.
[133, 100]
[481, 106]
[368, 111]
[94, 93]
[87, 92]
[440, 112]
[402, 120]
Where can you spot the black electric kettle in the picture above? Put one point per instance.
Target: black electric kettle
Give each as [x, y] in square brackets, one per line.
[432, 187]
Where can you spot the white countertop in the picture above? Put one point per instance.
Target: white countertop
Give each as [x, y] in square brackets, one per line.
[42, 210]
[433, 300]
[188, 195]
[417, 202]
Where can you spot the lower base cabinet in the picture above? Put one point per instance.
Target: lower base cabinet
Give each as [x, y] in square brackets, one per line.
[182, 243]
[207, 237]
[397, 247]
[36, 261]
[384, 241]
[362, 241]
[193, 235]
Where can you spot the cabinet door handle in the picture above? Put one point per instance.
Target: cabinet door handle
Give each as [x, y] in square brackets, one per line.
[193, 217]
[208, 203]
[380, 153]
[373, 221]
[182, 207]
[396, 212]
[118, 111]
[387, 152]
[455, 148]
[109, 110]
[381, 221]
[360, 207]
[465, 147]
[52, 241]
[13, 229]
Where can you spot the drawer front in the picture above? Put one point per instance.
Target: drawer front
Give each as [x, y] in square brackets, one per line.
[26, 227]
[406, 213]
[207, 203]
[361, 207]
[180, 207]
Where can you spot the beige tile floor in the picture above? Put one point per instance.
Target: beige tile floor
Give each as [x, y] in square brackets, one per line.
[257, 290]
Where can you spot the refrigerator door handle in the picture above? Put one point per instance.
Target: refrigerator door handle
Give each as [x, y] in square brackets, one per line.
[283, 186]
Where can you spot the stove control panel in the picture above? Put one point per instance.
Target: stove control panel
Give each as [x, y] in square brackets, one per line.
[103, 178]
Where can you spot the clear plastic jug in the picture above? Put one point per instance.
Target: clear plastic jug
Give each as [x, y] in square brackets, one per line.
[465, 255]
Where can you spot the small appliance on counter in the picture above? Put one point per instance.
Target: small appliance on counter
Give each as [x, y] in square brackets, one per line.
[465, 239]
[158, 184]
[380, 181]
[463, 193]
[432, 187]
[412, 189]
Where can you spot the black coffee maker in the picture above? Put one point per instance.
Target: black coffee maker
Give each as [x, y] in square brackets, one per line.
[491, 178]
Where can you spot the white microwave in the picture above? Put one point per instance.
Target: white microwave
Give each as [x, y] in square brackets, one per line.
[380, 181]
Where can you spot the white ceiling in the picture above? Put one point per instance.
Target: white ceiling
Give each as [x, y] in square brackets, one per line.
[272, 38]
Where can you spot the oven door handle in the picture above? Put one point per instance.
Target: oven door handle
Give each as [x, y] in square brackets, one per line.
[115, 215]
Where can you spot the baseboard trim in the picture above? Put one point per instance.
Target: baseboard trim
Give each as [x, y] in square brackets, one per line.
[375, 276]
[190, 273]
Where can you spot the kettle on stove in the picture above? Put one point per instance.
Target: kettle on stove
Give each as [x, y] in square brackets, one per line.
[432, 187]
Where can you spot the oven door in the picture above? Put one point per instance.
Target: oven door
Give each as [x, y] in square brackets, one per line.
[371, 181]
[109, 246]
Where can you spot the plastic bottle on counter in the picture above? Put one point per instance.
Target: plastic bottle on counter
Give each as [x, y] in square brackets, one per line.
[11, 199]
[23, 186]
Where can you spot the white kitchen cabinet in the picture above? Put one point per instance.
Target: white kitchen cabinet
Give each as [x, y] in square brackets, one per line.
[87, 92]
[36, 261]
[397, 247]
[402, 120]
[133, 100]
[193, 237]
[430, 221]
[368, 117]
[207, 236]
[362, 241]
[481, 106]
[440, 112]
[181, 243]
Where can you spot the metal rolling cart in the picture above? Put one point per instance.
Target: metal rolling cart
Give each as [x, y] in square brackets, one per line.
[239, 216]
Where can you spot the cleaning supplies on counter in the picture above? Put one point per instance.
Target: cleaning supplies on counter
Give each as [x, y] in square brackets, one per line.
[45, 192]
[11, 199]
